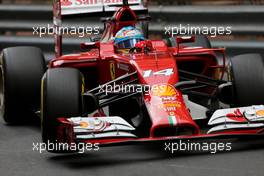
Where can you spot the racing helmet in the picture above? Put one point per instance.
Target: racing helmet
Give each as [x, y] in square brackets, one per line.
[127, 37]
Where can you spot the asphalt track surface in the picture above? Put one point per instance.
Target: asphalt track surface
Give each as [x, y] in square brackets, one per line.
[18, 158]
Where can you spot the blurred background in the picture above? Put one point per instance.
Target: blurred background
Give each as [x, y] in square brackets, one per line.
[17, 17]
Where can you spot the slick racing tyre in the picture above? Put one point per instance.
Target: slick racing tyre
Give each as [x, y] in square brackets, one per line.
[22, 69]
[247, 73]
[61, 96]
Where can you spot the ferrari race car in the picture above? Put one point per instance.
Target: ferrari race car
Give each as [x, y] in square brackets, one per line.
[125, 88]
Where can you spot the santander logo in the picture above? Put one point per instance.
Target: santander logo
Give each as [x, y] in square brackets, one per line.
[236, 116]
[93, 2]
[66, 3]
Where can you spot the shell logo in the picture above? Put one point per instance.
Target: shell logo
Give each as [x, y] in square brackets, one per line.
[163, 90]
[260, 113]
[84, 124]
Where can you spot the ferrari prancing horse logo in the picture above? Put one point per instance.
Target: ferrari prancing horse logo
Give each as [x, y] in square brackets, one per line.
[112, 70]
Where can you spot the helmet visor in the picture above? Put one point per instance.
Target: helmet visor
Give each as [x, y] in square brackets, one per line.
[128, 43]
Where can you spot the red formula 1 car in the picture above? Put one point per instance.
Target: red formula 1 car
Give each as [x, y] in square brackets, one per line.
[127, 89]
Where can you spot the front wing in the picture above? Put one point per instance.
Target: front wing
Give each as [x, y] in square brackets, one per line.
[245, 122]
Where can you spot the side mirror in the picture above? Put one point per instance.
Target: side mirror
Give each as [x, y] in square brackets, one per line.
[144, 18]
[185, 39]
[95, 38]
[90, 45]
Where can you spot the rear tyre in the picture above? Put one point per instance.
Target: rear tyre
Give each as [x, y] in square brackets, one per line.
[22, 69]
[61, 97]
[248, 79]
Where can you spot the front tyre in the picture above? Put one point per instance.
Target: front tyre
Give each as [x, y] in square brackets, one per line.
[247, 72]
[22, 69]
[61, 96]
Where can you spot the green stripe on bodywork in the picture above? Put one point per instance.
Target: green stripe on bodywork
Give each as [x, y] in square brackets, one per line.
[171, 120]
